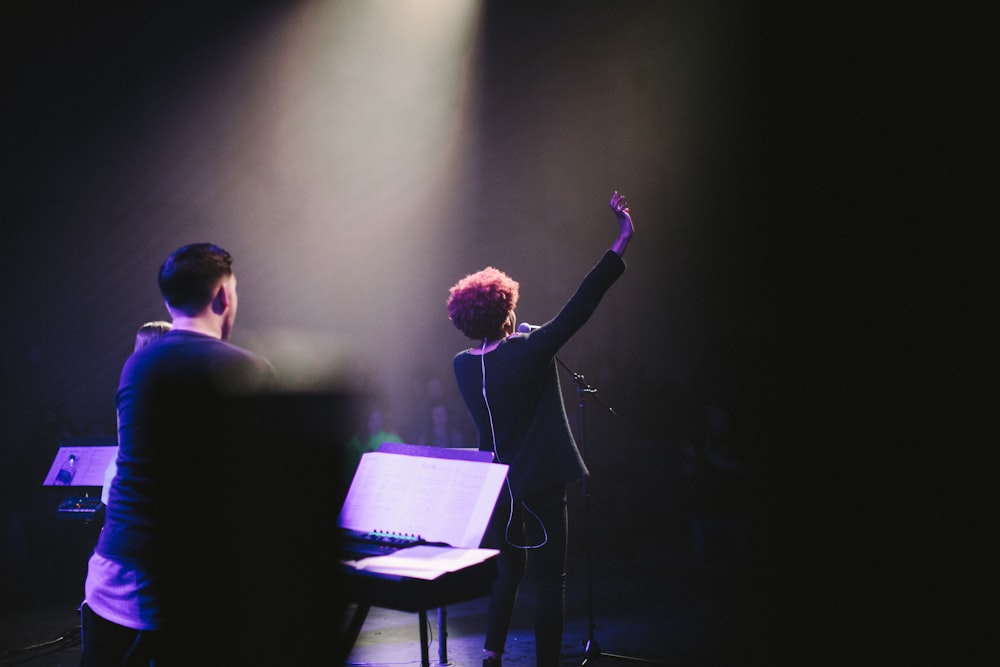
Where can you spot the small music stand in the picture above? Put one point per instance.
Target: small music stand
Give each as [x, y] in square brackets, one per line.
[91, 462]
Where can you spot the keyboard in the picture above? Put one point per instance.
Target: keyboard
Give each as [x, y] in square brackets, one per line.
[355, 544]
[80, 508]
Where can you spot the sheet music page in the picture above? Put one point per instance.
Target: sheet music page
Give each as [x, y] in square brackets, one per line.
[441, 500]
[424, 562]
[91, 462]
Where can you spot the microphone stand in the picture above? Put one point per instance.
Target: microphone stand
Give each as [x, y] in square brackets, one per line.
[592, 651]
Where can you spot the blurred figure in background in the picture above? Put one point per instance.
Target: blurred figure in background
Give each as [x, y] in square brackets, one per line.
[149, 332]
[376, 430]
[437, 430]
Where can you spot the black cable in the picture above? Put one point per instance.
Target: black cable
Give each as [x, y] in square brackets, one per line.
[68, 639]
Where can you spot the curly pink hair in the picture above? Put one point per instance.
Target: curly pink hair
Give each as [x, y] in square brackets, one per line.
[479, 303]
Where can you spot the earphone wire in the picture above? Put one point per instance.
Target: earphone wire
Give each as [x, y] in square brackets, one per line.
[496, 455]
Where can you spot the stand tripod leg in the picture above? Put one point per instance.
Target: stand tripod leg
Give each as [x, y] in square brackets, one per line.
[593, 652]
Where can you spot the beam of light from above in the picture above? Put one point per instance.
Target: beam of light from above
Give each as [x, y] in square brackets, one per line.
[318, 151]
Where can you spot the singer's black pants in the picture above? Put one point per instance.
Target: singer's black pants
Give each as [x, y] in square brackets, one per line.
[537, 527]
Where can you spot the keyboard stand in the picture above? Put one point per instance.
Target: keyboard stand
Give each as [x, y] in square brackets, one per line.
[369, 590]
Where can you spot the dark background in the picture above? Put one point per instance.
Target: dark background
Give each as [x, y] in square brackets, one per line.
[787, 170]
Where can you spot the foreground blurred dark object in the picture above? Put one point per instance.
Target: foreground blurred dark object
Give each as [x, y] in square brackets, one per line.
[248, 571]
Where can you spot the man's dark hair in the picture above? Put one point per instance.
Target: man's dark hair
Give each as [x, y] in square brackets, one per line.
[189, 275]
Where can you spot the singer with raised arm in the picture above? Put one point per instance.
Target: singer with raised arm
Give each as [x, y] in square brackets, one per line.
[509, 381]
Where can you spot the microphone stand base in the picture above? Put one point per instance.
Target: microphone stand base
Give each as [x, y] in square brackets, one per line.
[593, 652]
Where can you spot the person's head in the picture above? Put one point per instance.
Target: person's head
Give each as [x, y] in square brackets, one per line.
[435, 388]
[376, 421]
[481, 305]
[439, 417]
[149, 332]
[197, 281]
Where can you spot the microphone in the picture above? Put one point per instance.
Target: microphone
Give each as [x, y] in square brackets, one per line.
[524, 327]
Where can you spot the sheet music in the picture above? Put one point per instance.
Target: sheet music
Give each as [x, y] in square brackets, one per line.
[91, 462]
[441, 500]
[424, 562]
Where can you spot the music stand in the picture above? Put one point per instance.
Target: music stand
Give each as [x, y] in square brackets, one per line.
[89, 465]
[592, 650]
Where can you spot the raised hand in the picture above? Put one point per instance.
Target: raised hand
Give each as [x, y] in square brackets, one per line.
[626, 227]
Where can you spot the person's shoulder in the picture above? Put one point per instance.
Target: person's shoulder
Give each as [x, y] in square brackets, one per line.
[242, 351]
[216, 352]
[520, 343]
[250, 357]
[241, 370]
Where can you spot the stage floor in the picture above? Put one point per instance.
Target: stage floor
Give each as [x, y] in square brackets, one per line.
[651, 601]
